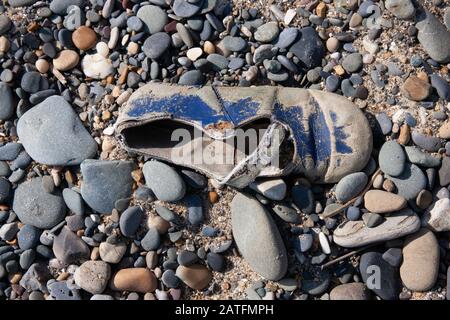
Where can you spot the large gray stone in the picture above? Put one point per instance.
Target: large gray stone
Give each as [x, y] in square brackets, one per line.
[258, 238]
[153, 17]
[352, 234]
[53, 134]
[105, 182]
[35, 206]
[434, 37]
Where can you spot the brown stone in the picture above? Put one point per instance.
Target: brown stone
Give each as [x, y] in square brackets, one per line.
[424, 199]
[444, 130]
[66, 60]
[350, 291]
[420, 267]
[213, 197]
[134, 279]
[388, 185]
[84, 38]
[378, 201]
[159, 224]
[416, 89]
[405, 135]
[196, 276]
[321, 10]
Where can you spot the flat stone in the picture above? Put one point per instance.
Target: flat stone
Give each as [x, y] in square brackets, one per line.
[263, 52]
[105, 182]
[195, 276]
[73, 201]
[392, 158]
[151, 240]
[8, 106]
[153, 17]
[34, 206]
[53, 134]
[379, 201]
[266, 32]
[402, 9]
[434, 37]
[264, 251]
[426, 142]
[416, 89]
[423, 159]
[186, 9]
[438, 218]
[60, 290]
[309, 48]
[93, 276]
[191, 78]
[155, 45]
[165, 182]
[350, 186]
[410, 182]
[420, 267]
[140, 280]
[112, 253]
[372, 264]
[350, 291]
[272, 189]
[352, 234]
[68, 248]
[235, 44]
[130, 220]
[286, 38]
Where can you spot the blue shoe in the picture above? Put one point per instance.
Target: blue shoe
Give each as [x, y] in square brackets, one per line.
[318, 134]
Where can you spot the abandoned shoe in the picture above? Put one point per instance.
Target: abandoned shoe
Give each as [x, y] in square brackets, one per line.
[235, 135]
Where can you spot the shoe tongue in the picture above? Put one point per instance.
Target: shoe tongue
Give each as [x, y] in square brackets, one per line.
[265, 156]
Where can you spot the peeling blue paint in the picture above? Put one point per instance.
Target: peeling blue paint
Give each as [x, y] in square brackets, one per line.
[241, 110]
[340, 136]
[183, 107]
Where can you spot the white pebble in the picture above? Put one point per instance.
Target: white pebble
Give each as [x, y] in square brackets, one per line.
[108, 131]
[324, 243]
[102, 49]
[113, 38]
[289, 16]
